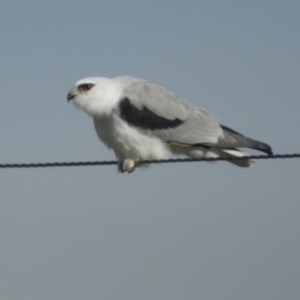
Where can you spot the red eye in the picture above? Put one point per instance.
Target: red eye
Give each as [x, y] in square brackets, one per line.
[85, 87]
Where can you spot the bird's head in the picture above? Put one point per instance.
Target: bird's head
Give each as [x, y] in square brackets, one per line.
[95, 95]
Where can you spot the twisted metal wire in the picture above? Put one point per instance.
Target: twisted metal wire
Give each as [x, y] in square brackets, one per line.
[112, 162]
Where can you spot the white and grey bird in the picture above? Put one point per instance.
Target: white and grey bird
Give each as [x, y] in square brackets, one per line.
[140, 121]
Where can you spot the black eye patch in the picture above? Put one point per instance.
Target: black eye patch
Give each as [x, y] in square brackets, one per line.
[85, 87]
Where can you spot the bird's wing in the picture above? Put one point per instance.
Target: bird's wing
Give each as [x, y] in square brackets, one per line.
[154, 110]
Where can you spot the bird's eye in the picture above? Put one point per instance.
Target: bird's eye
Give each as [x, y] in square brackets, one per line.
[85, 87]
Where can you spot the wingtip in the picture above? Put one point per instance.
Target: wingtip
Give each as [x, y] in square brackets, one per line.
[266, 149]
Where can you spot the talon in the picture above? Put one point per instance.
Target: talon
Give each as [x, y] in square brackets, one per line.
[128, 165]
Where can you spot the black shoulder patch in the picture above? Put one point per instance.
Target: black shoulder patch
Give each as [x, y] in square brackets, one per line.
[144, 118]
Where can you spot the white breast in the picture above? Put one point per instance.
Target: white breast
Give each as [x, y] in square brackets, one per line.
[128, 142]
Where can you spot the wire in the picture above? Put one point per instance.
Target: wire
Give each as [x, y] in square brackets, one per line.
[106, 163]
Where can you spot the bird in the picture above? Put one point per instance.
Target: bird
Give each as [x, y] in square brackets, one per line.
[142, 121]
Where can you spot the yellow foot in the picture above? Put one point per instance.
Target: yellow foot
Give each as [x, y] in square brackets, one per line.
[128, 165]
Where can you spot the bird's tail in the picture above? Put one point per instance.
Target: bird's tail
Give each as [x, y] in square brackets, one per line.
[231, 153]
[215, 152]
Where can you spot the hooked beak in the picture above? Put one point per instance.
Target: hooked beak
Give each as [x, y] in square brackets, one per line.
[71, 96]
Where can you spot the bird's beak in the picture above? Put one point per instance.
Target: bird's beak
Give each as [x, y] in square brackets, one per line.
[71, 96]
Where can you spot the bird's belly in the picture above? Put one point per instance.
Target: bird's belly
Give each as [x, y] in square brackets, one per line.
[129, 142]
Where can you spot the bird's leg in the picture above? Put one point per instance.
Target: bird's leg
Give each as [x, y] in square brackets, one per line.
[128, 165]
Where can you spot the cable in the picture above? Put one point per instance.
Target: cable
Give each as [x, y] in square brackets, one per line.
[106, 163]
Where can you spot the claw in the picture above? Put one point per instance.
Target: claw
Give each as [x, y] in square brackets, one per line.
[128, 165]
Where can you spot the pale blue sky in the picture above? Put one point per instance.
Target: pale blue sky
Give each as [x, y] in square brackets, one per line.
[176, 231]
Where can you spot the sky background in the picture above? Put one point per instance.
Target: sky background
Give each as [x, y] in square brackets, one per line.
[174, 231]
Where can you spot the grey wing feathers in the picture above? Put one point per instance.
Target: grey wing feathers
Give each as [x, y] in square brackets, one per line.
[198, 125]
[232, 138]
[157, 99]
[175, 121]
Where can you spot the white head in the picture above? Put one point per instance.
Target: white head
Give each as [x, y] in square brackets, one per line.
[97, 96]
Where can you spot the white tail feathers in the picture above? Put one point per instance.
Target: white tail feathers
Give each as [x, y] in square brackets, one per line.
[228, 153]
